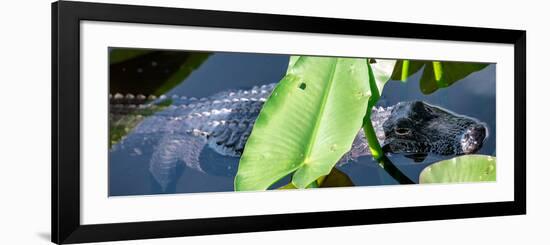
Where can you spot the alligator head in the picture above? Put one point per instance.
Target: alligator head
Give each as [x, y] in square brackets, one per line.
[417, 128]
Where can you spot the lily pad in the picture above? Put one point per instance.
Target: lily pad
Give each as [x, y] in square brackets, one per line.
[468, 168]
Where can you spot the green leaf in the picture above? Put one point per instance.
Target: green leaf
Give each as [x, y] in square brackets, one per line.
[381, 72]
[468, 168]
[406, 68]
[292, 61]
[436, 74]
[308, 123]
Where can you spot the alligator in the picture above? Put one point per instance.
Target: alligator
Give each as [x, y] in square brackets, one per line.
[224, 121]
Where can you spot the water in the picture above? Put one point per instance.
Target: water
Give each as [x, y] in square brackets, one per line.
[129, 168]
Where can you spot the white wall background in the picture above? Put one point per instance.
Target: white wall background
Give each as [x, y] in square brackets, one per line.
[25, 121]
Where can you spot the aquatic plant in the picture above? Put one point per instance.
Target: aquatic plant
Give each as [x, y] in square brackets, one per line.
[436, 74]
[469, 168]
[310, 120]
[307, 124]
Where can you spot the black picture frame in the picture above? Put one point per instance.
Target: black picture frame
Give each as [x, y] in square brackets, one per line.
[66, 18]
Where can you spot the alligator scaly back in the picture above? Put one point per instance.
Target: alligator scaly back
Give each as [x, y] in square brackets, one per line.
[222, 121]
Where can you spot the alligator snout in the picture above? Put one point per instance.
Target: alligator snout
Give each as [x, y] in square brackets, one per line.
[420, 128]
[473, 137]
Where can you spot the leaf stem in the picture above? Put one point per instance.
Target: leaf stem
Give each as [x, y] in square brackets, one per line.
[370, 134]
[438, 74]
[405, 70]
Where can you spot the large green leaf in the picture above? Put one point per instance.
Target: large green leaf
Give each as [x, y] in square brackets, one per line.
[468, 168]
[307, 124]
[436, 74]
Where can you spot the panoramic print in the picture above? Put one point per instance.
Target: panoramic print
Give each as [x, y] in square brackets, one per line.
[195, 122]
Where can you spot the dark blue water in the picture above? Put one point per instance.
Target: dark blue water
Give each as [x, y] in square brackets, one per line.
[129, 172]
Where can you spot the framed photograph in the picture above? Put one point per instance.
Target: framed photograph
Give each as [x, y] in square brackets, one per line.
[176, 122]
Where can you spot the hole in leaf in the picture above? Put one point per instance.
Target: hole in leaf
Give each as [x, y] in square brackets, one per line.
[302, 86]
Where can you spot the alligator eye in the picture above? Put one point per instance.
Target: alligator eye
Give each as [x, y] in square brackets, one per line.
[402, 131]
